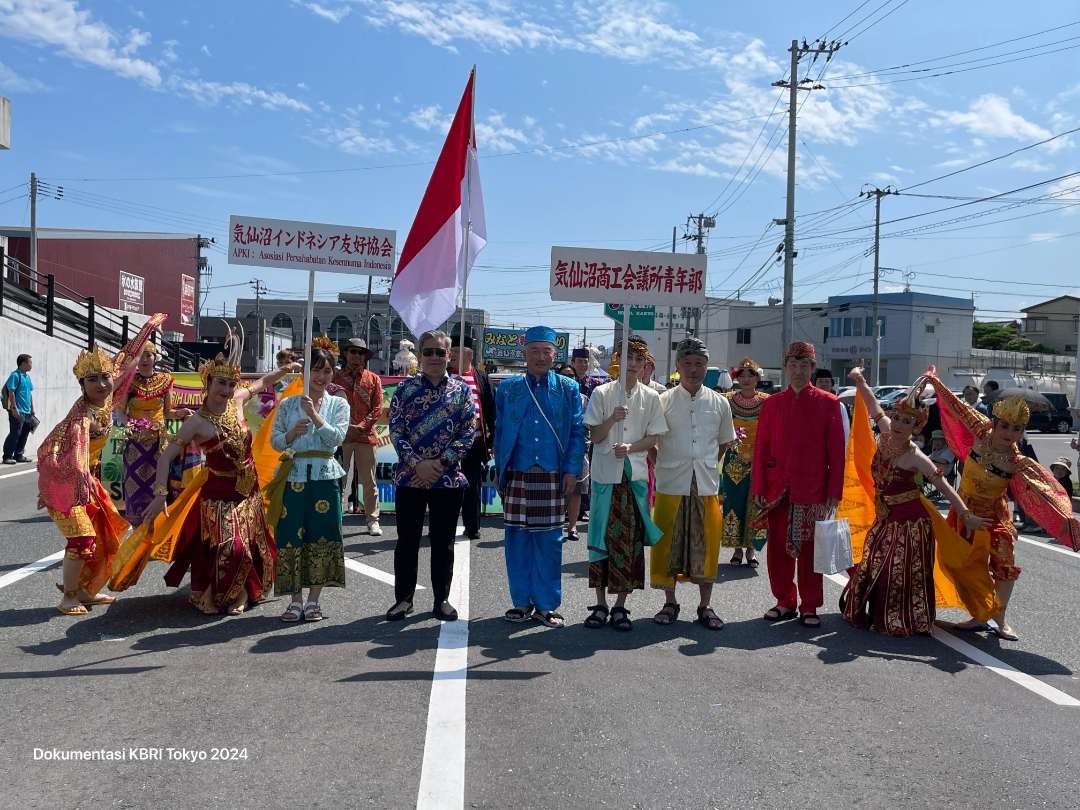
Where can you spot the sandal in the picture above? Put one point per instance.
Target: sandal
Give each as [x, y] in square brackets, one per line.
[708, 619]
[598, 618]
[1004, 635]
[668, 614]
[100, 599]
[549, 618]
[313, 612]
[293, 613]
[74, 610]
[778, 614]
[620, 619]
[572, 535]
[753, 562]
[518, 615]
[736, 558]
[811, 620]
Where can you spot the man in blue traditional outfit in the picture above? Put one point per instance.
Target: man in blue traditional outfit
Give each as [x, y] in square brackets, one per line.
[539, 447]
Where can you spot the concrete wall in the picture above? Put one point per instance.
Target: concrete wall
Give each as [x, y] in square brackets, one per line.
[55, 387]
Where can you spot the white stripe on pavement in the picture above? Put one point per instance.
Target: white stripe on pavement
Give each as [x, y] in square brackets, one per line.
[20, 472]
[374, 573]
[1029, 682]
[32, 568]
[442, 776]
[1050, 546]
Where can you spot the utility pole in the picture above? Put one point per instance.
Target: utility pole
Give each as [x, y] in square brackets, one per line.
[33, 229]
[877, 194]
[260, 290]
[701, 224]
[201, 268]
[794, 84]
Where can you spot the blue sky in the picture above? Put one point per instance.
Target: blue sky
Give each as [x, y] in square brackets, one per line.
[602, 123]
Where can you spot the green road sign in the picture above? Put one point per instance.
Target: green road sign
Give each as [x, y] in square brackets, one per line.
[641, 317]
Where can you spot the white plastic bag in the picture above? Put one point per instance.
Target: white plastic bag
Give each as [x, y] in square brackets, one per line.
[832, 546]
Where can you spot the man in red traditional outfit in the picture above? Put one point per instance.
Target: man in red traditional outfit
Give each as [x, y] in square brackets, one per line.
[798, 480]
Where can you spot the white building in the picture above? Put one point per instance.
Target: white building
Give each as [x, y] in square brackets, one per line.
[917, 329]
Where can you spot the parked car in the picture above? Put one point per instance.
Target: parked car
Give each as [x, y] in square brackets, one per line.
[882, 391]
[1057, 420]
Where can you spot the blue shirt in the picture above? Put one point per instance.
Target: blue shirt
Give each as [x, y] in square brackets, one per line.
[429, 422]
[19, 382]
[536, 446]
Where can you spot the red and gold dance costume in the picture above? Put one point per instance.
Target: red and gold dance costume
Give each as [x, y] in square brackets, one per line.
[798, 468]
[224, 538]
[987, 481]
[69, 463]
[147, 436]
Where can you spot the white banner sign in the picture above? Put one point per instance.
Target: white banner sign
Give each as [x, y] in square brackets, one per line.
[627, 277]
[311, 246]
[132, 292]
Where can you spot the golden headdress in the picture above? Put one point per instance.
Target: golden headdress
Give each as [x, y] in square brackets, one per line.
[746, 364]
[152, 347]
[1013, 410]
[911, 406]
[227, 363]
[324, 342]
[95, 361]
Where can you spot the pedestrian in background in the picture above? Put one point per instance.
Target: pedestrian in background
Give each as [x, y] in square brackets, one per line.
[363, 390]
[475, 461]
[19, 402]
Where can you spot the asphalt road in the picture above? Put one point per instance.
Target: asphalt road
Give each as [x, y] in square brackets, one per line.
[335, 714]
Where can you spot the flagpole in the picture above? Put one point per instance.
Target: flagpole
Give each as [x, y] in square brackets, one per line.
[307, 331]
[467, 224]
[624, 353]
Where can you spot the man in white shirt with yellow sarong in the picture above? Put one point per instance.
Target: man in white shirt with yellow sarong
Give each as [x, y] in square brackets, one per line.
[687, 507]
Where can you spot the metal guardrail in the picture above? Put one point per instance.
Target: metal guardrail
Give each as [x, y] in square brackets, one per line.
[43, 303]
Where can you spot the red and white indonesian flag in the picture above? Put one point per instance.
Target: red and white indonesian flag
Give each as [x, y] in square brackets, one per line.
[431, 272]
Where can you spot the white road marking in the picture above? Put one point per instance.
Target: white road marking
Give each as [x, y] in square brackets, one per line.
[1050, 546]
[22, 573]
[374, 573]
[20, 472]
[442, 776]
[997, 666]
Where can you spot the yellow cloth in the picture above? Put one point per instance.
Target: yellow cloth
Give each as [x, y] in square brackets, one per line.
[665, 508]
[274, 492]
[155, 540]
[266, 457]
[857, 503]
[961, 576]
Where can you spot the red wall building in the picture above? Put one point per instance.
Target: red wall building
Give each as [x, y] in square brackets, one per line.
[91, 263]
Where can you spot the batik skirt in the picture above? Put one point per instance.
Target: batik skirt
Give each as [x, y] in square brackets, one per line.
[310, 551]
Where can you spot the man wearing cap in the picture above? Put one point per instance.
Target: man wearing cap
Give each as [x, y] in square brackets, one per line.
[587, 379]
[539, 448]
[687, 510]
[798, 480]
[461, 364]
[625, 424]
[363, 390]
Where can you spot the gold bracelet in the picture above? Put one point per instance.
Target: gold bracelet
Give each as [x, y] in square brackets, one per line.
[160, 490]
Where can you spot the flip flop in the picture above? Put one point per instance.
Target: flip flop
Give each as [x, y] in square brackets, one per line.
[811, 620]
[100, 599]
[75, 610]
[517, 615]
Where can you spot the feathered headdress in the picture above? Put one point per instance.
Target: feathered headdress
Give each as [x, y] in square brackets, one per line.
[1013, 410]
[227, 363]
[324, 342]
[911, 406]
[95, 361]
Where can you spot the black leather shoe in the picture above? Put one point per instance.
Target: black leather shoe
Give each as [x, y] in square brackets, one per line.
[393, 615]
[445, 612]
[473, 535]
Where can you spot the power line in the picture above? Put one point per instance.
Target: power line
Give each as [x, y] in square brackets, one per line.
[883, 17]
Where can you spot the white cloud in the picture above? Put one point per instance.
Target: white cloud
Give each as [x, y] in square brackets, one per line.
[12, 82]
[353, 141]
[238, 93]
[493, 133]
[955, 163]
[1030, 165]
[884, 177]
[334, 15]
[73, 31]
[168, 51]
[213, 193]
[1043, 237]
[991, 116]
[205, 49]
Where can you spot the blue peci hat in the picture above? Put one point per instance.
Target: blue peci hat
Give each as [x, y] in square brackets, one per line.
[540, 334]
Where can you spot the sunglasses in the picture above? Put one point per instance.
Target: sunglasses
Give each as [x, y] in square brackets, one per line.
[431, 351]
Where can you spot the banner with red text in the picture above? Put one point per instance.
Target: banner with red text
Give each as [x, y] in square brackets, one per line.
[627, 277]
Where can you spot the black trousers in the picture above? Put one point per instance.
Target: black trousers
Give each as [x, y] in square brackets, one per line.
[18, 432]
[443, 505]
[473, 467]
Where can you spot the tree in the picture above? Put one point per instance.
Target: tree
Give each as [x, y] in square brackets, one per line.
[999, 337]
